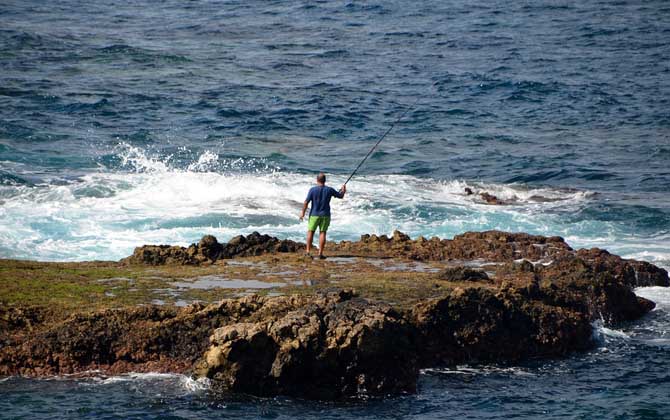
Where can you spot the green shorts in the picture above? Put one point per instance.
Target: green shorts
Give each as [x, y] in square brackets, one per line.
[321, 222]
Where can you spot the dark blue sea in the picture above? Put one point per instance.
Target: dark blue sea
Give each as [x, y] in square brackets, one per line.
[132, 122]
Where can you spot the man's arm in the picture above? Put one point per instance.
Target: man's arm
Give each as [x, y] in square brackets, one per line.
[305, 204]
[341, 192]
[304, 209]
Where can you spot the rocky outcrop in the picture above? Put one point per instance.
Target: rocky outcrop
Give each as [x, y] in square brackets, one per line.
[629, 272]
[147, 338]
[208, 250]
[334, 347]
[327, 346]
[477, 324]
[598, 285]
[494, 246]
[540, 301]
[491, 246]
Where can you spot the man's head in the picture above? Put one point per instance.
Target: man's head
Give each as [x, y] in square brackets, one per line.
[321, 178]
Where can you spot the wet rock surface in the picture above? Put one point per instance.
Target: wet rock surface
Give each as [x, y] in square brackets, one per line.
[540, 301]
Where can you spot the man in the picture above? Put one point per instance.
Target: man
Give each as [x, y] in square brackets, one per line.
[319, 214]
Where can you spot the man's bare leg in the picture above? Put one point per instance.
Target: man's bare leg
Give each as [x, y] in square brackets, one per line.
[322, 242]
[310, 238]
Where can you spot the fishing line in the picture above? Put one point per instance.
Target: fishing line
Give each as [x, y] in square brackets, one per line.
[409, 108]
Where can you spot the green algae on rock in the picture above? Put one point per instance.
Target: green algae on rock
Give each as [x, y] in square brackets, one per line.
[341, 327]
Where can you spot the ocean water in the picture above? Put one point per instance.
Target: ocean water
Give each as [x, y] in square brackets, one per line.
[124, 123]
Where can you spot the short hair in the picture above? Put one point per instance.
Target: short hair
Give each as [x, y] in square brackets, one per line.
[321, 177]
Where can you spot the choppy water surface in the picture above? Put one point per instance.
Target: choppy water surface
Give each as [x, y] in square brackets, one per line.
[124, 123]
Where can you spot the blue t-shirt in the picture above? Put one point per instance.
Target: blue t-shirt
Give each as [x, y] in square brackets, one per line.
[320, 197]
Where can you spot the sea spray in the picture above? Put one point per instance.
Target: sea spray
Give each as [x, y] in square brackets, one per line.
[104, 215]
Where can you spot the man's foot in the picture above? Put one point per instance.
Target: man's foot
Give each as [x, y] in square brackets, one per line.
[307, 255]
[322, 257]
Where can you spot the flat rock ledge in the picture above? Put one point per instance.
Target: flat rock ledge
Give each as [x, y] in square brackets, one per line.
[334, 344]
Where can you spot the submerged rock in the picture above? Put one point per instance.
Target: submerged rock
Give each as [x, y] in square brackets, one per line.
[491, 199]
[486, 197]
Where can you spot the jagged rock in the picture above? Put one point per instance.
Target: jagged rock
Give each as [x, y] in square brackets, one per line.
[208, 250]
[480, 325]
[630, 272]
[599, 290]
[163, 254]
[492, 246]
[400, 237]
[329, 349]
[148, 338]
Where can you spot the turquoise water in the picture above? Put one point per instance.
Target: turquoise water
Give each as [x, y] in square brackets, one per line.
[130, 123]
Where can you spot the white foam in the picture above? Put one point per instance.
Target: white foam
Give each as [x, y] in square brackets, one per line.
[657, 294]
[105, 215]
[185, 382]
[514, 194]
[133, 377]
[194, 385]
[136, 159]
[604, 335]
[479, 370]
[608, 332]
[659, 342]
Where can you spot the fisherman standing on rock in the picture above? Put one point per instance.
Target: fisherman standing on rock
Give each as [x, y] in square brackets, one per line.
[319, 214]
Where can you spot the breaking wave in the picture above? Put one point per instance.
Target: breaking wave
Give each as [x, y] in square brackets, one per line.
[651, 331]
[156, 199]
[175, 381]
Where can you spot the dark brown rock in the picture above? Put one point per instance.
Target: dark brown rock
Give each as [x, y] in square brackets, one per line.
[491, 199]
[208, 250]
[400, 237]
[148, 338]
[329, 349]
[492, 246]
[462, 273]
[540, 303]
[479, 325]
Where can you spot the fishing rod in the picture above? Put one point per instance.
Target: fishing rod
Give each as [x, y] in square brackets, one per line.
[383, 136]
